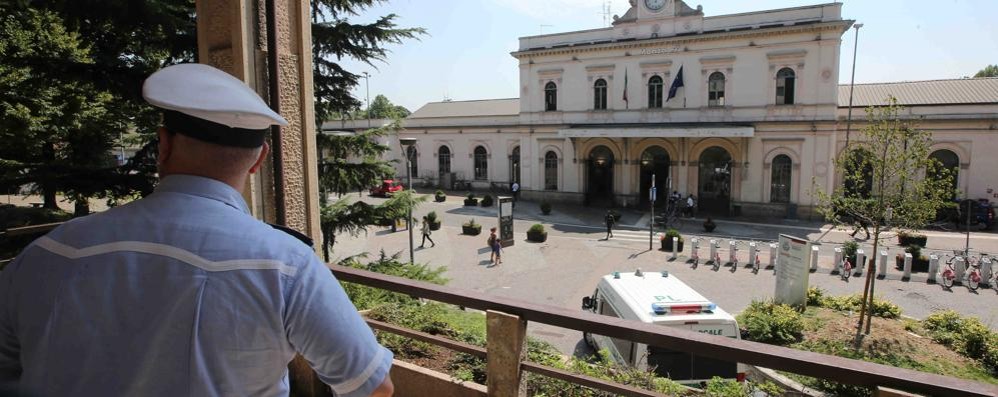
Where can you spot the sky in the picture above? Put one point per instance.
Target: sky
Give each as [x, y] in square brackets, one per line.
[465, 53]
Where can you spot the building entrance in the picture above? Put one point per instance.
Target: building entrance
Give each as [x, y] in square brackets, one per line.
[654, 161]
[715, 181]
[599, 183]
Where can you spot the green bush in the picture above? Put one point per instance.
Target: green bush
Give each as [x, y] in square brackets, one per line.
[965, 335]
[849, 248]
[487, 200]
[432, 217]
[772, 323]
[367, 297]
[720, 387]
[669, 234]
[880, 308]
[815, 296]
[536, 228]
[440, 193]
[545, 207]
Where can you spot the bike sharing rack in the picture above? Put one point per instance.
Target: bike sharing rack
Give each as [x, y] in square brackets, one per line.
[882, 266]
[986, 271]
[933, 269]
[960, 266]
[814, 258]
[860, 264]
[773, 247]
[675, 248]
[753, 250]
[907, 267]
[837, 264]
[713, 250]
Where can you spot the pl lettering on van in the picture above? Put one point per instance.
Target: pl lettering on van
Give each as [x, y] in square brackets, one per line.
[711, 331]
[669, 298]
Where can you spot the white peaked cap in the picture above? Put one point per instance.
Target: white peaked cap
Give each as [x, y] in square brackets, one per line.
[210, 94]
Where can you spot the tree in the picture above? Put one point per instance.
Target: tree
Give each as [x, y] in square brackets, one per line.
[334, 37]
[885, 184]
[382, 108]
[988, 71]
[352, 163]
[346, 216]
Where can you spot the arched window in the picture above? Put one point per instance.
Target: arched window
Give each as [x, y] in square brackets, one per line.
[412, 154]
[948, 166]
[655, 92]
[779, 191]
[551, 171]
[481, 163]
[785, 86]
[599, 95]
[443, 160]
[715, 90]
[550, 97]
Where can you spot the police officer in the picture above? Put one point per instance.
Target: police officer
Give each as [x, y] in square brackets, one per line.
[183, 293]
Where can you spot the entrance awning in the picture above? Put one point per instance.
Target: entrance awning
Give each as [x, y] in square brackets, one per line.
[692, 132]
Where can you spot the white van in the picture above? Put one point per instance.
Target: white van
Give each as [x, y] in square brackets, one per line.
[662, 299]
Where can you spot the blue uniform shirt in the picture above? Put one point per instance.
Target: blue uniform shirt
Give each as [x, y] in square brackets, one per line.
[182, 293]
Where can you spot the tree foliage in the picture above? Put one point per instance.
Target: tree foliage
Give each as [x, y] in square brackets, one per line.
[334, 37]
[353, 163]
[988, 71]
[349, 216]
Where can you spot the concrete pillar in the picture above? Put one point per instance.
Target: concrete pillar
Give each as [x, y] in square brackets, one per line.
[506, 336]
[933, 269]
[773, 255]
[907, 267]
[232, 37]
[882, 269]
[837, 262]
[814, 258]
[675, 247]
[860, 264]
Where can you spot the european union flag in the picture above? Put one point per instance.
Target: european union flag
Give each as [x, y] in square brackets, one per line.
[678, 82]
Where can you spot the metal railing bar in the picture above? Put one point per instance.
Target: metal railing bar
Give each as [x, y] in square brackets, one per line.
[838, 369]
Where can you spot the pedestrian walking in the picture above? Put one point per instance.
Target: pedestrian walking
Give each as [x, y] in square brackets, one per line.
[861, 224]
[495, 247]
[184, 292]
[426, 233]
[609, 220]
[690, 205]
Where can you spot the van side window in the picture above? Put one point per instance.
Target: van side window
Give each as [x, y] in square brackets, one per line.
[624, 347]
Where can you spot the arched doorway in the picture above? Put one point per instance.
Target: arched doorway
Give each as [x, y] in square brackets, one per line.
[514, 165]
[654, 161]
[599, 186]
[949, 162]
[715, 181]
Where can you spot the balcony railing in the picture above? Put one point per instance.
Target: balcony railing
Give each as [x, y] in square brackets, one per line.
[507, 319]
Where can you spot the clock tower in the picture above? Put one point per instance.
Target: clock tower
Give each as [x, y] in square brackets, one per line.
[648, 9]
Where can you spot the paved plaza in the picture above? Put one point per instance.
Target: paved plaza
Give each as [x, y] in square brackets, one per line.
[568, 265]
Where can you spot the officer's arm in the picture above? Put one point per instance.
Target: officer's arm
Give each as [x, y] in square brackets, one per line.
[324, 326]
[10, 350]
[386, 389]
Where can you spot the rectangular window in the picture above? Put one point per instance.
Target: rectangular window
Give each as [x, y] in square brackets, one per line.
[551, 173]
[716, 94]
[481, 167]
[624, 348]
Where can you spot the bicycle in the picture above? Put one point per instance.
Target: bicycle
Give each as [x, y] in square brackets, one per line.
[949, 274]
[974, 275]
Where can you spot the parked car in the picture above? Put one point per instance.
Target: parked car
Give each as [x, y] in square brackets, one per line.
[387, 188]
[982, 214]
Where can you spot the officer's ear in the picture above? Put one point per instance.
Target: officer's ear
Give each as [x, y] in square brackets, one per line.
[264, 151]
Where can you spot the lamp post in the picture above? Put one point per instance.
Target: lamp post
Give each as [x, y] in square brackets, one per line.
[406, 144]
[852, 83]
[367, 83]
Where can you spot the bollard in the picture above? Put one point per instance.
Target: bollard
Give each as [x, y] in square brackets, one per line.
[713, 249]
[960, 267]
[695, 250]
[675, 247]
[773, 253]
[753, 250]
[860, 263]
[732, 252]
[933, 269]
[907, 267]
[882, 269]
[837, 265]
[814, 258]
[986, 271]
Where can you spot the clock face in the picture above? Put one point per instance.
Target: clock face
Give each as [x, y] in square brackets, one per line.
[655, 5]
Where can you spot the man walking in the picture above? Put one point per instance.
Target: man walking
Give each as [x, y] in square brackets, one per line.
[609, 220]
[183, 293]
[426, 232]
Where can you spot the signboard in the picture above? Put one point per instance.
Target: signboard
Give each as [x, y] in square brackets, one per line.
[653, 192]
[506, 221]
[792, 270]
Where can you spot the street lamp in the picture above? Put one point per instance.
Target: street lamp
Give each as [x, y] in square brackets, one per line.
[367, 82]
[406, 144]
[852, 83]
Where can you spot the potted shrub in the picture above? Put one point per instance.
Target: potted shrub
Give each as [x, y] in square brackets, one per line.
[709, 225]
[440, 196]
[536, 233]
[471, 201]
[908, 239]
[666, 240]
[919, 263]
[471, 228]
[849, 249]
[487, 200]
[434, 221]
[545, 207]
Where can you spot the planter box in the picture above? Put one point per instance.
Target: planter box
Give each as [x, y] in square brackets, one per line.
[667, 245]
[537, 237]
[435, 225]
[440, 199]
[905, 241]
[470, 202]
[471, 230]
[709, 228]
[918, 265]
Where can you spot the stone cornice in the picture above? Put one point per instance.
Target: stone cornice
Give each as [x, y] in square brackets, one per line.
[838, 27]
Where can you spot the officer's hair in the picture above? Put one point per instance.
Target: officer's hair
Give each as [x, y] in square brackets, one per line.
[214, 159]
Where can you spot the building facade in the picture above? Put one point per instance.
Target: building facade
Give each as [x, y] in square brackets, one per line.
[743, 111]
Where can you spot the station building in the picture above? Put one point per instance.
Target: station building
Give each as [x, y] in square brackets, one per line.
[743, 111]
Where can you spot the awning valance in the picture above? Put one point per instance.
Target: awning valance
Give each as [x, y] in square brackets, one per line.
[692, 132]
